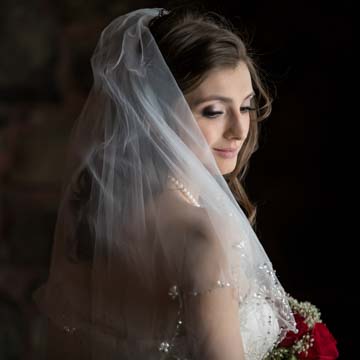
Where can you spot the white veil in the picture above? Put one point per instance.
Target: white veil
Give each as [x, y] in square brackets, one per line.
[123, 237]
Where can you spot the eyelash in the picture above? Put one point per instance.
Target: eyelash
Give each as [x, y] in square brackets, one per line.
[214, 114]
[211, 114]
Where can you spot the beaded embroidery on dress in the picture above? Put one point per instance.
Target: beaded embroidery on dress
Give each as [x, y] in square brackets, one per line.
[259, 329]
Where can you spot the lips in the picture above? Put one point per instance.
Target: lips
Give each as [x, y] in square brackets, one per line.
[228, 149]
[227, 153]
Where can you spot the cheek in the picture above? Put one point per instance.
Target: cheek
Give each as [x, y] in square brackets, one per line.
[211, 133]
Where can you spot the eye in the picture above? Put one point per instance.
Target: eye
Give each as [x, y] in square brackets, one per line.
[211, 113]
[246, 109]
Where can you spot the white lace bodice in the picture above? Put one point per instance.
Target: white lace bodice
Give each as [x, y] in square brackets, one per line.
[259, 328]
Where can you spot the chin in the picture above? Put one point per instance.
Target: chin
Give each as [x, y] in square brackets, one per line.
[227, 168]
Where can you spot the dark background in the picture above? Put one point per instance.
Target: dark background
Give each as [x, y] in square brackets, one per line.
[301, 177]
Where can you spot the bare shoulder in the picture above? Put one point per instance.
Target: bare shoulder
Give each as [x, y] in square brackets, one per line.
[188, 226]
[176, 212]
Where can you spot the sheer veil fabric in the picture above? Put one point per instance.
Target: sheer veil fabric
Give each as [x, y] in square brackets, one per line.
[134, 264]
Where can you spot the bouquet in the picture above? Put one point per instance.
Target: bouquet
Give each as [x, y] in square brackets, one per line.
[312, 341]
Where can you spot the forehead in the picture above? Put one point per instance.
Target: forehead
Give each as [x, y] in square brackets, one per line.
[232, 82]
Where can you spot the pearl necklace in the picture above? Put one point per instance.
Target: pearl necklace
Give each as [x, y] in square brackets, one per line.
[184, 190]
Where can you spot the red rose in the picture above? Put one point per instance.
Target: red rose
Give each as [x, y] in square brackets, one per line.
[291, 337]
[324, 347]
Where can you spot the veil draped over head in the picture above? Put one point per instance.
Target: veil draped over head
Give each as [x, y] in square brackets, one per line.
[129, 247]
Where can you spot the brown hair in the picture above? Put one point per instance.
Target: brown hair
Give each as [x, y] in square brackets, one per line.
[194, 43]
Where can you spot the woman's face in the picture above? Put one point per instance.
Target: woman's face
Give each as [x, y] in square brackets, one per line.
[221, 105]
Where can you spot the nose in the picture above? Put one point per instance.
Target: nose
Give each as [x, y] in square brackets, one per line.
[239, 126]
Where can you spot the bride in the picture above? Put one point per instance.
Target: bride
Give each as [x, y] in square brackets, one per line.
[154, 254]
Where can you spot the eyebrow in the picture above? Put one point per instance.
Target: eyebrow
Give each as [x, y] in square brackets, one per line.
[218, 97]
